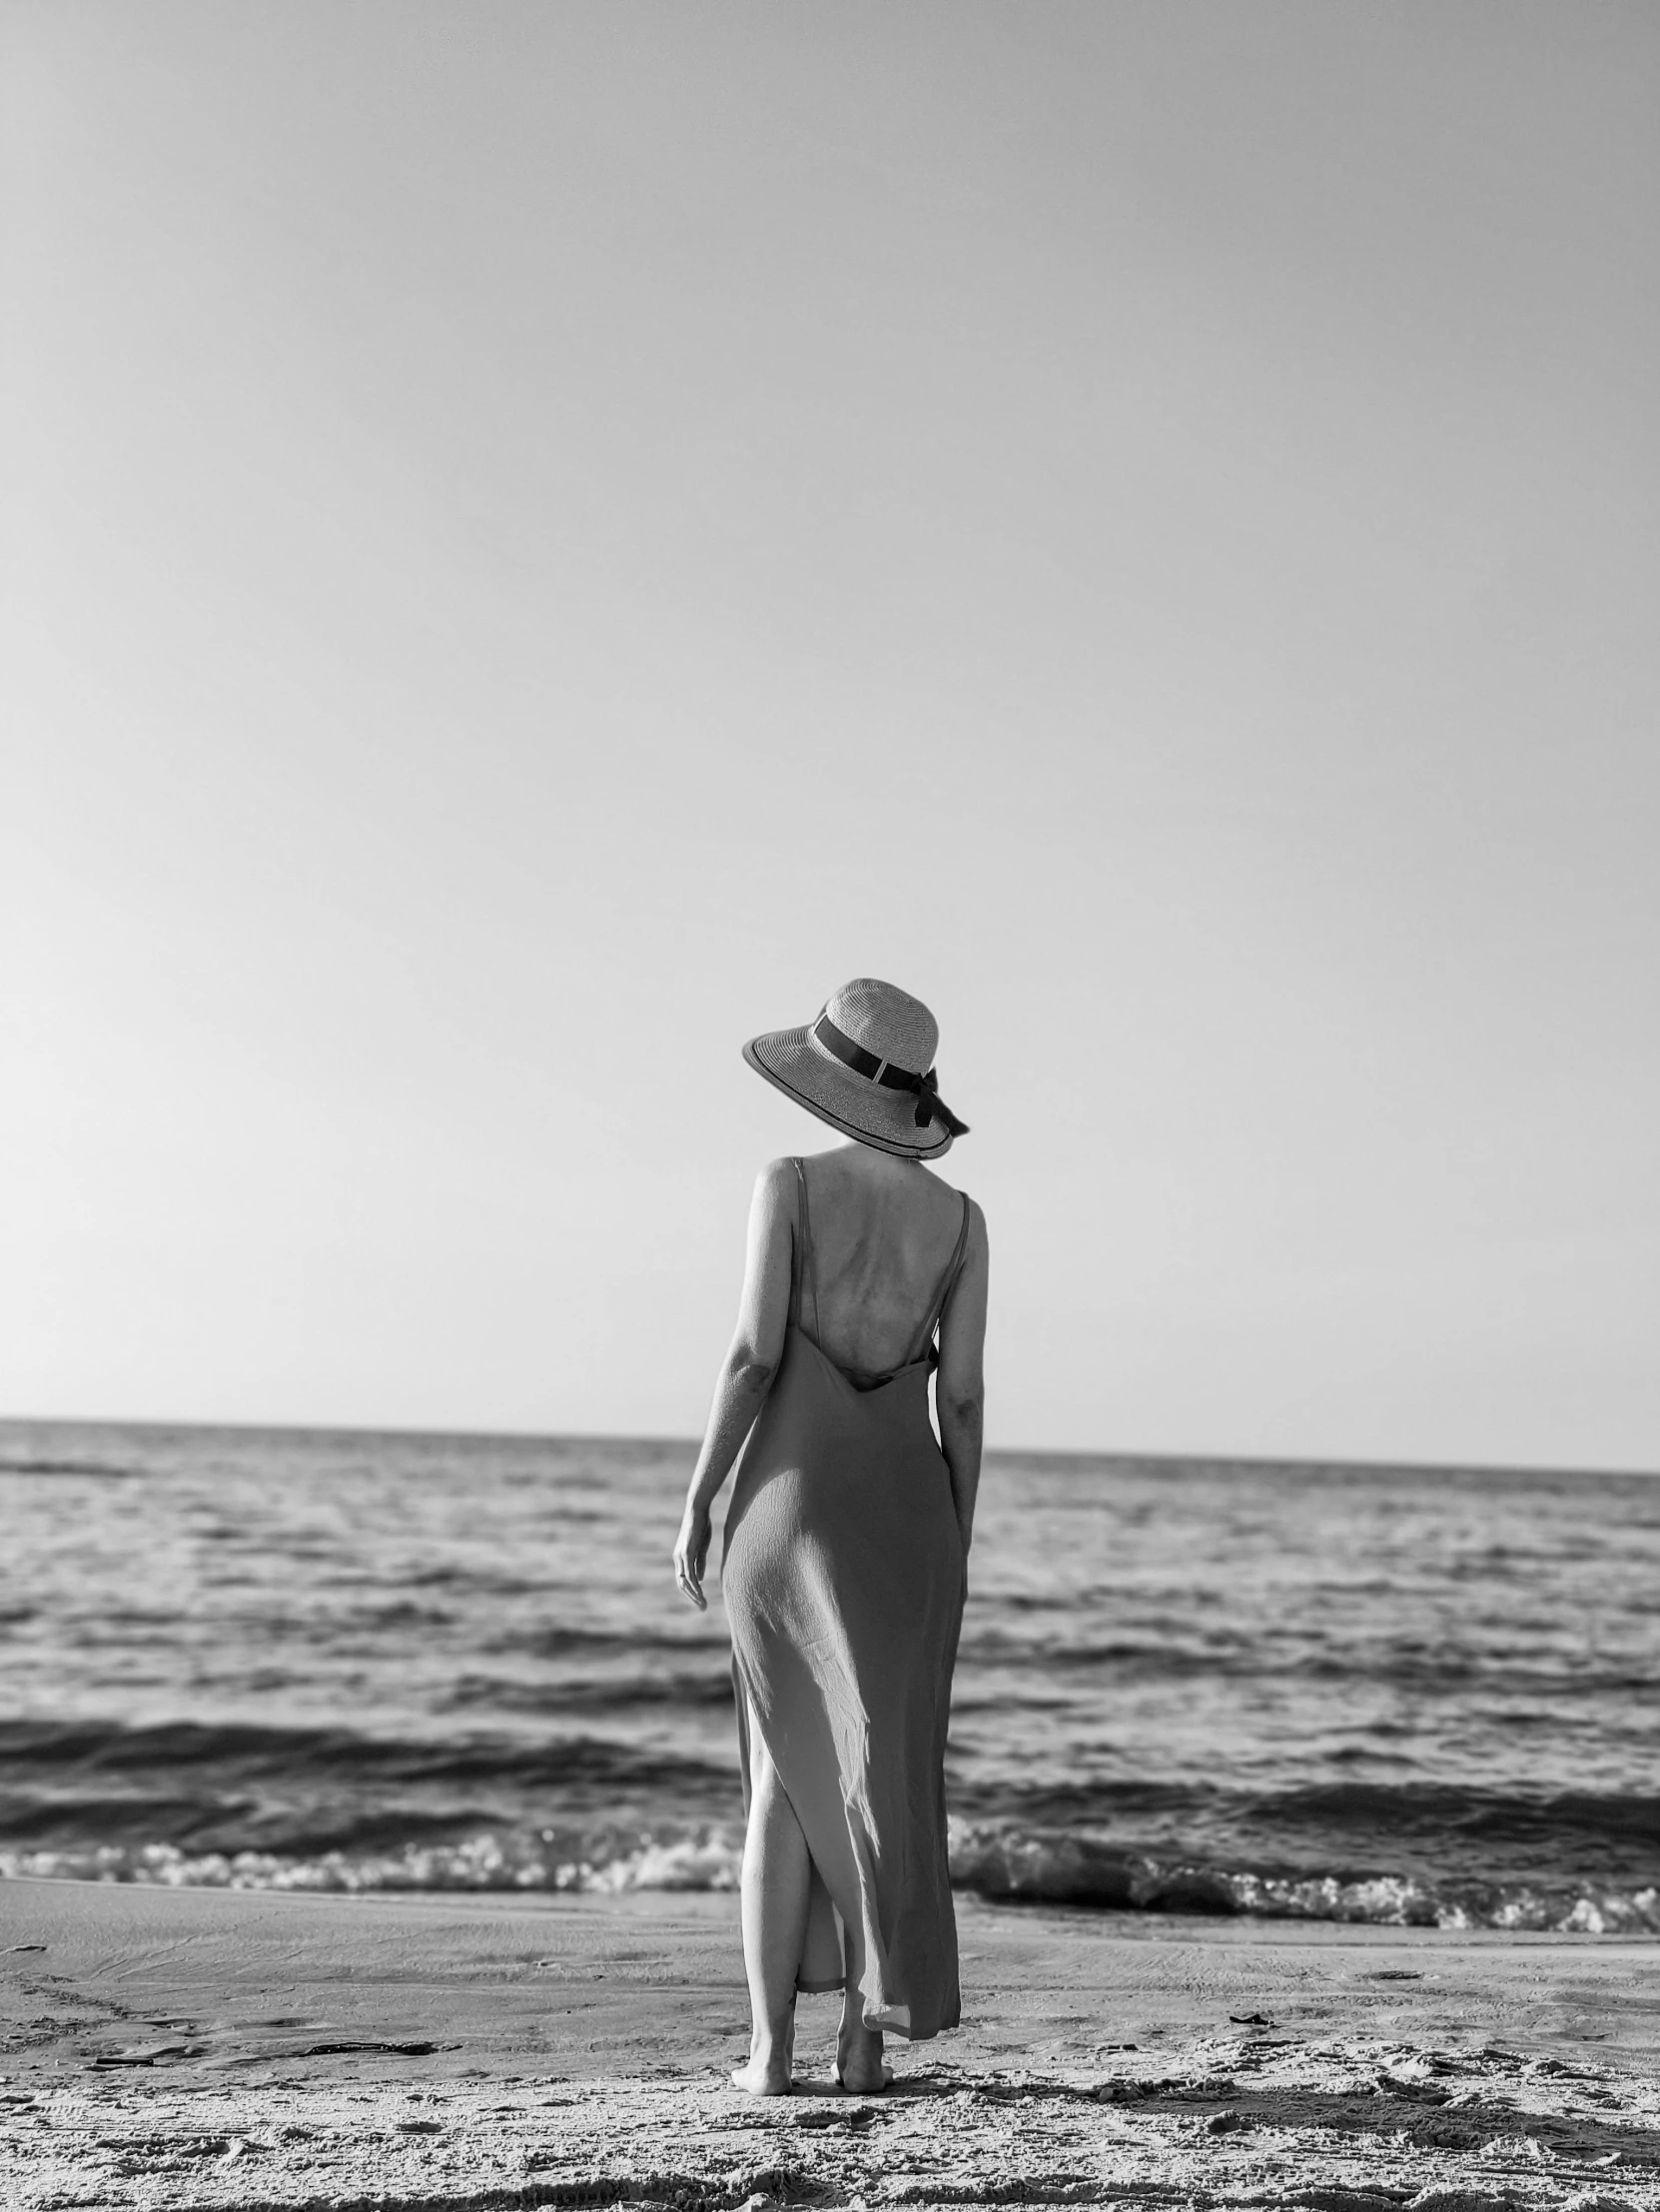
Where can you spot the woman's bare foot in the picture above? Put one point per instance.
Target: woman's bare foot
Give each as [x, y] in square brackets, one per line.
[763, 2078]
[771, 2068]
[859, 2066]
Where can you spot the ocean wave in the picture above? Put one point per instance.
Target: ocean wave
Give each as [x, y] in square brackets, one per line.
[544, 1643]
[1019, 1867]
[304, 1791]
[1431, 1827]
[704, 1859]
[233, 1787]
[1578, 1818]
[1002, 1866]
[233, 1750]
[1173, 1655]
[587, 1694]
[90, 1467]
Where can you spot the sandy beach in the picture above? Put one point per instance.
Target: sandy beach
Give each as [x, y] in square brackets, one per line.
[176, 2047]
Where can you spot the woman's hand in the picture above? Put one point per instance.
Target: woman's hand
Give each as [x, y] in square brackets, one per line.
[691, 1551]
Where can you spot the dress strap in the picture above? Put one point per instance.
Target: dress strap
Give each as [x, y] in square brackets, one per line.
[948, 1282]
[804, 1250]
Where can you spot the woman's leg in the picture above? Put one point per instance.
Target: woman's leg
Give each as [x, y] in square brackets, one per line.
[822, 1967]
[777, 1874]
[858, 2048]
[813, 1934]
[789, 1930]
[835, 1879]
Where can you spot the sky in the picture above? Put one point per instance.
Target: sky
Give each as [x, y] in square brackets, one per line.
[542, 539]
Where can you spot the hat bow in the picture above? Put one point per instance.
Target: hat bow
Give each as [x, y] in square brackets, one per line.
[925, 1088]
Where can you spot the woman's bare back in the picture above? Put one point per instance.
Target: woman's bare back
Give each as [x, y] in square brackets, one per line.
[884, 1232]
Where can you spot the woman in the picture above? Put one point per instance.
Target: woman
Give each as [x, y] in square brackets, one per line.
[846, 1542]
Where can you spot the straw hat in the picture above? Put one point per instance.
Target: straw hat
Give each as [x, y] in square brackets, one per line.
[865, 1066]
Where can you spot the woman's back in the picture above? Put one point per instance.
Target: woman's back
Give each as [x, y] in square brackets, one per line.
[884, 1233]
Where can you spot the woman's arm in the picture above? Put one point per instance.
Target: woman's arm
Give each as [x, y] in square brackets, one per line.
[960, 1384]
[747, 1371]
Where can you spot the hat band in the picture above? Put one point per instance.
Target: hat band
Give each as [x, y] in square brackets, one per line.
[929, 1106]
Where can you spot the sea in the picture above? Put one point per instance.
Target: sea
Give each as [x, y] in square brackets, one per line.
[307, 1660]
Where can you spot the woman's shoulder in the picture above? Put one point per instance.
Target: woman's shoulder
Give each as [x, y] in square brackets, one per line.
[968, 1212]
[955, 1193]
[778, 1179]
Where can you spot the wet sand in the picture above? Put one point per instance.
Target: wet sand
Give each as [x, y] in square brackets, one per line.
[172, 2047]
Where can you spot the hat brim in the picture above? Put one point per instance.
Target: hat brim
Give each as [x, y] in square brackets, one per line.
[793, 1062]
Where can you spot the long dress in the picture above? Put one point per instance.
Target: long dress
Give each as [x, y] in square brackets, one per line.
[843, 1578]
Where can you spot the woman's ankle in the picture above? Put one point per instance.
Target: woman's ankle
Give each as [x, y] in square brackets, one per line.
[772, 2042]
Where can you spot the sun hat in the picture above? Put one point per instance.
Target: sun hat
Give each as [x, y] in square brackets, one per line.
[865, 1065]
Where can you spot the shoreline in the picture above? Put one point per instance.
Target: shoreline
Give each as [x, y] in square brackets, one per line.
[259, 2047]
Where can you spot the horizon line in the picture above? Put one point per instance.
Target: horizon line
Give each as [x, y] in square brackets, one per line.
[1117, 1454]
